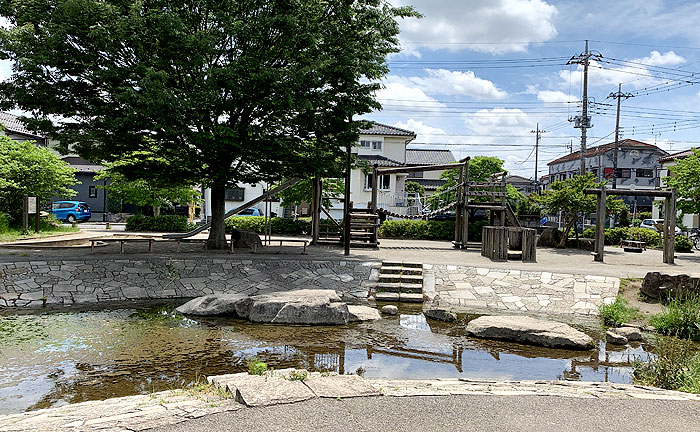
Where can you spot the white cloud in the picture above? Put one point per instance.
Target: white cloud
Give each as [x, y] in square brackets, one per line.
[550, 95]
[656, 58]
[511, 24]
[446, 82]
[498, 121]
[398, 94]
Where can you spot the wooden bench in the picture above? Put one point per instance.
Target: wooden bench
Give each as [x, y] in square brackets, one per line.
[633, 246]
[122, 241]
[305, 242]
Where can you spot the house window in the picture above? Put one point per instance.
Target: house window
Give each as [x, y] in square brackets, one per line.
[92, 192]
[643, 172]
[371, 144]
[417, 174]
[624, 173]
[384, 182]
[235, 194]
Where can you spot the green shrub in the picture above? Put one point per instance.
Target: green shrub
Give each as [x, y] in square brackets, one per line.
[417, 229]
[675, 366]
[636, 222]
[256, 367]
[683, 244]
[680, 318]
[617, 312]
[280, 226]
[162, 223]
[4, 222]
[644, 215]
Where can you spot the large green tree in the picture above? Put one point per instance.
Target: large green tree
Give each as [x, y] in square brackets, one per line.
[481, 168]
[227, 91]
[685, 178]
[568, 197]
[28, 169]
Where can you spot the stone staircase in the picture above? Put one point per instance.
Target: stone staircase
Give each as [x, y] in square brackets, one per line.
[400, 282]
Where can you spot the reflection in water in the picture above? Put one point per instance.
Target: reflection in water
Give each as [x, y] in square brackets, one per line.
[58, 358]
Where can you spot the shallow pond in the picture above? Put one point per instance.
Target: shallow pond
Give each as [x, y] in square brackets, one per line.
[52, 359]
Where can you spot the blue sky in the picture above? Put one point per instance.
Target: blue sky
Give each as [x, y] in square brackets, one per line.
[476, 76]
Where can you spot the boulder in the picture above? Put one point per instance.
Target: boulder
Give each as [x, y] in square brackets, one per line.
[662, 286]
[305, 306]
[362, 313]
[613, 338]
[440, 315]
[631, 333]
[390, 310]
[529, 331]
[216, 304]
[245, 238]
[550, 237]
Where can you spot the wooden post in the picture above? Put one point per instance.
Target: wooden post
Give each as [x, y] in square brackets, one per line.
[37, 220]
[503, 201]
[375, 182]
[315, 209]
[465, 205]
[25, 213]
[458, 210]
[347, 204]
[599, 248]
[669, 228]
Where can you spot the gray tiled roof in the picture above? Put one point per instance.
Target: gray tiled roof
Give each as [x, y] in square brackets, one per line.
[12, 124]
[382, 129]
[380, 160]
[428, 157]
[678, 155]
[428, 184]
[82, 165]
[517, 179]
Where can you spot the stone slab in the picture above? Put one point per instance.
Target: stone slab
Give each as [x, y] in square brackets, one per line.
[258, 390]
[340, 386]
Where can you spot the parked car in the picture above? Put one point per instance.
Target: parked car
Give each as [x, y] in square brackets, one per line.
[250, 212]
[71, 211]
[651, 224]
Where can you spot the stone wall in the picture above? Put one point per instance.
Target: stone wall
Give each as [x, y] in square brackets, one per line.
[32, 284]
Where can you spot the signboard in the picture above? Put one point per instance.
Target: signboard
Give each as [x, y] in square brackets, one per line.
[31, 204]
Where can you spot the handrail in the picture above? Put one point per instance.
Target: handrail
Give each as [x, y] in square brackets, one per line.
[238, 209]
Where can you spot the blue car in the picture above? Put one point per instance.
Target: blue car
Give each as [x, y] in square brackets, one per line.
[71, 211]
[252, 211]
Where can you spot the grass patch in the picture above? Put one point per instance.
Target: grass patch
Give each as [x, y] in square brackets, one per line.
[14, 234]
[256, 367]
[675, 366]
[617, 312]
[680, 318]
[298, 375]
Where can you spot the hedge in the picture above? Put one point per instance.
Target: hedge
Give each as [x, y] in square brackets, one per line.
[161, 223]
[427, 230]
[653, 239]
[281, 226]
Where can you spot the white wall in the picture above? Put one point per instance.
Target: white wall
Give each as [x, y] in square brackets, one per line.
[251, 191]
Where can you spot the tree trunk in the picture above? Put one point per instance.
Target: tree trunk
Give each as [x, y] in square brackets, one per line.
[156, 210]
[217, 232]
[565, 236]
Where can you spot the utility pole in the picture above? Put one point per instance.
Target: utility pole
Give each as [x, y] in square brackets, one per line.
[619, 95]
[583, 121]
[537, 133]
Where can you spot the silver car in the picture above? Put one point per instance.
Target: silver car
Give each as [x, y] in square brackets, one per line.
[653, 223]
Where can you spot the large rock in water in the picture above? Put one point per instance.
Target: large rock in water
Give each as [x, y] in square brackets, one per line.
[362, 313]
[215, 304]
[529, 331]
[662, 286]
[306, 306]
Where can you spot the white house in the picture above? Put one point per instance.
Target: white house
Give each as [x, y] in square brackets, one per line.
[689, 220]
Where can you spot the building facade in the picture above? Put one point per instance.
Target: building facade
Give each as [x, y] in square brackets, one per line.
[689, 220]
[638, 168]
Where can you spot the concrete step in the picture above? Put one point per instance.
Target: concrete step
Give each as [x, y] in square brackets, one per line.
[415, 279]
[404, 264]
[399, 297]
[401, 270]
[396, 287]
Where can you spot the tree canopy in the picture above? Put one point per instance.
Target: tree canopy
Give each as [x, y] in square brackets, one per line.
[481, 168]
[685, 179]
[28, 169]
[567, 197]
[232, 91]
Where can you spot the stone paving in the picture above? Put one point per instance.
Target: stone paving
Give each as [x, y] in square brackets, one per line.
[476, 289]
[137, 413]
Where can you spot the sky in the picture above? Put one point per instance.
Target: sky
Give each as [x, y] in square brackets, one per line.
[477, 76]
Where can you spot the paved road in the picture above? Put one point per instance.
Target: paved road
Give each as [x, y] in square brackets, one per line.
[458, 413]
